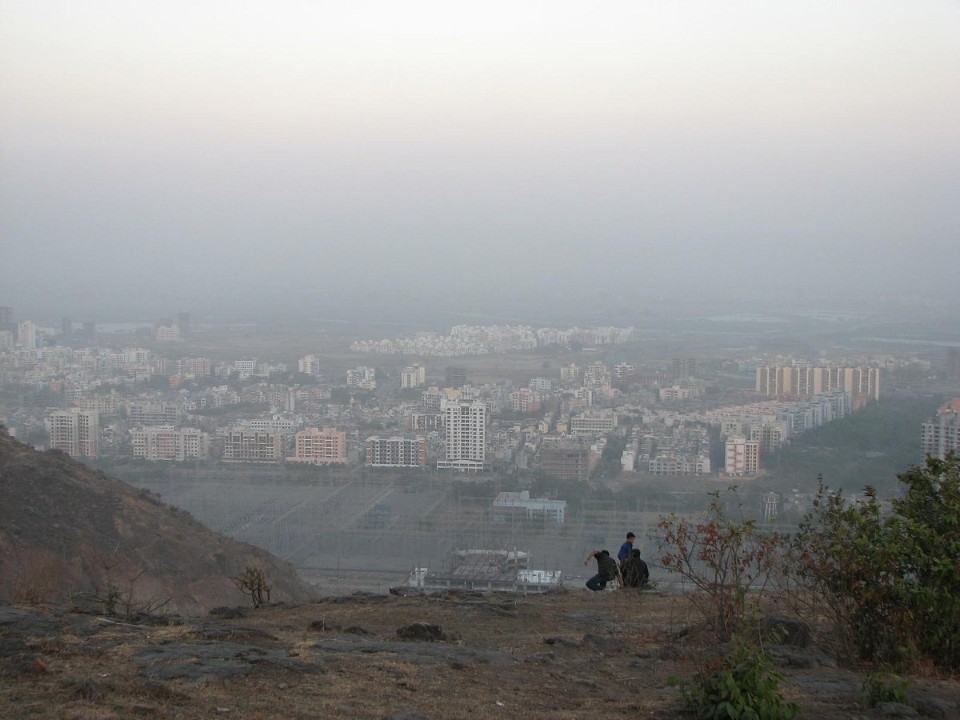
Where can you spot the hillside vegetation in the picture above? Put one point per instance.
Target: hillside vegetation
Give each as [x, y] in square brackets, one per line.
[868, 447]
[69, 531]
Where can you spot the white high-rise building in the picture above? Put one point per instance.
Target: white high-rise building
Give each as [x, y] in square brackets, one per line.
[76, 432]
[413, 376]
[27, 335]
[396, 451]
[362, 377]
[941, 435]
[170, 444]
[309, 365]
[465, 431]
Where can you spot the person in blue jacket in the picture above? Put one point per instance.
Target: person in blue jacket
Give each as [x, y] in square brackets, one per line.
[626, 548]
[633, 570]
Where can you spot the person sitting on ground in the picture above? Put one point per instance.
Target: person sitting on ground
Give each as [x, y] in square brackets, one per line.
[626, 548]
[634, 570]
[606, 569]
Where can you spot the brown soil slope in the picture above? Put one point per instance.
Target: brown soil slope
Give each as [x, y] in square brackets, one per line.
[568, 654]
[66, 529]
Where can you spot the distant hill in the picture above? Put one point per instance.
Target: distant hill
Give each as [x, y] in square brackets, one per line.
[67, 530]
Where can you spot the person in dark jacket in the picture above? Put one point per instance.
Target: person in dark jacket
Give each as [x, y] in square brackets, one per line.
[606, 569]
[627, 548]
[634, 571]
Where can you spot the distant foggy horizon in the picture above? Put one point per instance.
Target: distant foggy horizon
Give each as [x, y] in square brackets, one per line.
[660, 312]
[554, 162]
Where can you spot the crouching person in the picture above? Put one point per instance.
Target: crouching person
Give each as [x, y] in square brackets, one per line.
[606, 569]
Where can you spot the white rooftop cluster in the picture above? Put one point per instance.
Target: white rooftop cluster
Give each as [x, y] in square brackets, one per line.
[485, 339]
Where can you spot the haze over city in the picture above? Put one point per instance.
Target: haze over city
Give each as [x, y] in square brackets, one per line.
[517, 160]
[351, 352]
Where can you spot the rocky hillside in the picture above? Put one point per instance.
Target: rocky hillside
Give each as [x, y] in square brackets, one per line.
[69, 531]
[446, 656]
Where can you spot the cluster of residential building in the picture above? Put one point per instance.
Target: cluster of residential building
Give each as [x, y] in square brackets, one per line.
[862, 383]
[484, 339]
[752, 430]
[131, 401]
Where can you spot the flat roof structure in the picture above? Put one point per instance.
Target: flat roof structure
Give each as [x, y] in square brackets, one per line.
[487, 570]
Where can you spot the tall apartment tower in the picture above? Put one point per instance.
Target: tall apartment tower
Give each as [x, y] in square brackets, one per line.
[320, 447]
[183, 324]
[773, 381]
[396, 451]
[565, 458]
[167, 443]
[27, 335]
[455, 376]
[742, 456]
[75, 432]
[941, 435]
[309, 365]
[863, 383]
[953, 361]
[684, 368]
[413, 376]
[241, 445]
[465, 432]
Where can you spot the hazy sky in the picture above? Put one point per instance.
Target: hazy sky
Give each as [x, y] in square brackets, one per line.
[157, 157]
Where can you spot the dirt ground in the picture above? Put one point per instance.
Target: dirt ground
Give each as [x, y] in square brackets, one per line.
[566, 654]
